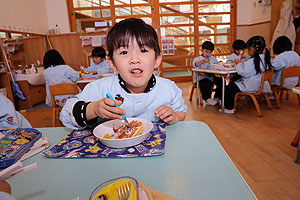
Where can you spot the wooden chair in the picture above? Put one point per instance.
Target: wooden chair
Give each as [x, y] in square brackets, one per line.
[88, 57]
[60, 89]
[266, 76]
[192, 92]
[292, 71]
[295, 141]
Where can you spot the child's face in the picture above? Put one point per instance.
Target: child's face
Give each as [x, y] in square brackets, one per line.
[206, 52]
[239, 52]
[135, 65]
[251, 51]
[96, 60]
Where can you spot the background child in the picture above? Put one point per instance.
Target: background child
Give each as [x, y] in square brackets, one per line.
[206, 81]
[9, 117]
[57, 72]
[99, 63]
[239, 47]
[250, 72]
[134, 52]
[282, 47]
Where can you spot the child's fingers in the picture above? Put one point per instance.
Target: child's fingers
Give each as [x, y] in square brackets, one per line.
[111, 115]
[159, 109]
[110, 105]
[169, 119]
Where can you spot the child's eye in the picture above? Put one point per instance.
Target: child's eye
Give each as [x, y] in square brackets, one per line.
[144, 50]
[123, 52]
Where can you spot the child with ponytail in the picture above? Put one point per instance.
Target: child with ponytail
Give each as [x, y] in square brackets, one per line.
[250, 71]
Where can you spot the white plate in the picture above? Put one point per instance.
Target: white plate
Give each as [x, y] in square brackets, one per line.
[107, 127]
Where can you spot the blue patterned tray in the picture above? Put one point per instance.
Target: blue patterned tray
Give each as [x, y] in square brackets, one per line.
[83, 144]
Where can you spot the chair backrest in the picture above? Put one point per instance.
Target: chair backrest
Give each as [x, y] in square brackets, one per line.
[292, 71]
[88, 57]
[265, 76]
[61, 89]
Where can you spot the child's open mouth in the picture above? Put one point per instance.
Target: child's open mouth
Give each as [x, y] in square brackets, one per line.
[136, 71]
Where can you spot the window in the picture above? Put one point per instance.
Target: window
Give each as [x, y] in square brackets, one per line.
[188, 23]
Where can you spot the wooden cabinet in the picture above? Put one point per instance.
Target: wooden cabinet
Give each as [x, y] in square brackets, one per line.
[35, 94]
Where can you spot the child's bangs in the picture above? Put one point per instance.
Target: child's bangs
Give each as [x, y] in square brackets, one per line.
[142, 38]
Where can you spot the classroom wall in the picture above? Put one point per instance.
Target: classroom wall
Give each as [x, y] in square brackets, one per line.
[58, 15]
[251, 12]
[253, 19]
[24, 16]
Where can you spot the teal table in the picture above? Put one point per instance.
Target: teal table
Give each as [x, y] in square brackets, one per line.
[194, 166]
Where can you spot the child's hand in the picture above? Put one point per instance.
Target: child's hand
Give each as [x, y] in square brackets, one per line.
[166, 114]
[104, 108]
[93, 72]
[206, 59]
[237, 61]
[82, 68]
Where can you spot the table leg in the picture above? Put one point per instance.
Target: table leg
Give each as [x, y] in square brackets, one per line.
[223, 94]
[197, 78]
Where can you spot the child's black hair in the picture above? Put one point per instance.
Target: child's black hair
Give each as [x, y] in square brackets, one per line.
[258, 43]
[239, 45]
[208, 45]
[52, 58]
[99, 52]
[132, 28]
[282, 44]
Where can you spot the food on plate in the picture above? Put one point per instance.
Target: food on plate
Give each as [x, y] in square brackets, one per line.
[135, 129]
[107, 136]
[123, 131]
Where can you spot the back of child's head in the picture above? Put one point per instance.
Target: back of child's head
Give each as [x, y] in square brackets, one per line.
[99, 52]
[132, 28]
[208, 45]
[259, 45]
[52, 58]
[239, 45]
[282, 44]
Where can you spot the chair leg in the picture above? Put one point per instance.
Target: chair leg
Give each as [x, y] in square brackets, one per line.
[235, 100]
[298, 98]
[268, 101]
[201, 100]
[256, 105]
[191, 94]
[295, 141]
[277, 94]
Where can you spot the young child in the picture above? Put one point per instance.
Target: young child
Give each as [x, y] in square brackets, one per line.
[57, 72]
[239, 47]
[250, 71]
[206, 81]
[99, 63]
[9, 117]
[285, 57]
[134, 52]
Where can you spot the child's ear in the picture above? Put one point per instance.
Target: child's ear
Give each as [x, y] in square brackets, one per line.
[158, 61]
[111, 64]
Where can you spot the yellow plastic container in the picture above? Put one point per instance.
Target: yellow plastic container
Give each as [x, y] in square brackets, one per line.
[113, 188]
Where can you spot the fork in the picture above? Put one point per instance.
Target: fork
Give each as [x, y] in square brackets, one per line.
[124, 192]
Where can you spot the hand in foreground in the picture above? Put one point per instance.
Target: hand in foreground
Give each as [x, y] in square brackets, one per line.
[104, 108]
[166, 114]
